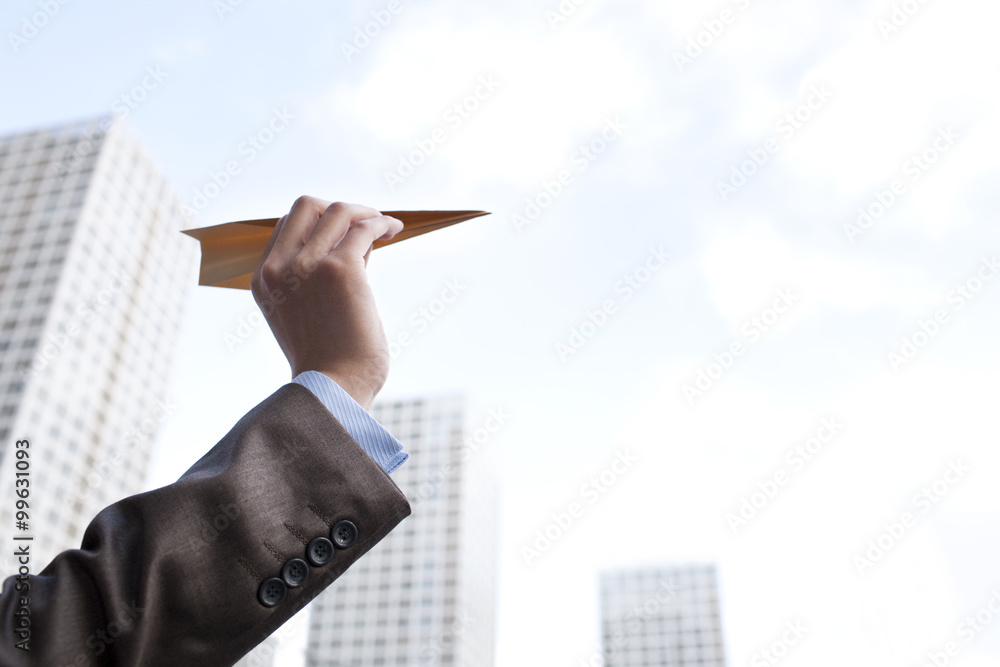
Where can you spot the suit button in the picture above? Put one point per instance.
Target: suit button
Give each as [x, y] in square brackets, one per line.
[344, 534]
[272, 592]
[295, 572]
[320, 551]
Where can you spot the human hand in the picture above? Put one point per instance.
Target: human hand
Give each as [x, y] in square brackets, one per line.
[312, 287]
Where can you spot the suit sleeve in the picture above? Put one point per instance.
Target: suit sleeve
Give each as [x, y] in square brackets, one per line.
[199, 572]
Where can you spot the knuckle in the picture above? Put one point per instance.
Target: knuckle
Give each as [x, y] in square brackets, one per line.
[303, 265]
[338, 207]
[305, 202]
[269, 272]
[334, 267]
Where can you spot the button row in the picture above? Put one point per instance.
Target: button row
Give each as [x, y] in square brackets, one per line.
[319, 552]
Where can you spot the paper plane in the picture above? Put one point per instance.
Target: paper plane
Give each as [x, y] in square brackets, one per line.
[230, 252]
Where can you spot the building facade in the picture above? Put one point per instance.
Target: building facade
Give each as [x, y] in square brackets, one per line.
[663, 617]
[94, 276]
[426, 594]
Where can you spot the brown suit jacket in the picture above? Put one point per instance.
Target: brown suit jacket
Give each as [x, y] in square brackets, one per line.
[183, 575]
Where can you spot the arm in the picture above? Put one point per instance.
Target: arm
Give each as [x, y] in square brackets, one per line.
[202, 570]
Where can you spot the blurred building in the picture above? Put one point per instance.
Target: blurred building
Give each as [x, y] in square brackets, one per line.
[93, 280]
[665, 617]
[426, 594]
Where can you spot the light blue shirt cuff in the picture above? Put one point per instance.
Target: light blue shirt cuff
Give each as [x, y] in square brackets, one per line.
[377, 442]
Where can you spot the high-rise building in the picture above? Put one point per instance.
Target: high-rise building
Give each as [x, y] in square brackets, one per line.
[425, 595]
[664, 617]
[93, 281]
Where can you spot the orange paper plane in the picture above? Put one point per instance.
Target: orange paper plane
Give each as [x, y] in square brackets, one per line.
[231, 252]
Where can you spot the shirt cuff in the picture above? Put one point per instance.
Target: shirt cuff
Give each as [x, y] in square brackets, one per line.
[377, 442]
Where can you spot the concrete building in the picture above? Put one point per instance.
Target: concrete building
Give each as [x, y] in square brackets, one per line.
[665, 617]
[93, 281]
[426, 594]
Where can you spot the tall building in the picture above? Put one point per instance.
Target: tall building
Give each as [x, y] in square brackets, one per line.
[93, 280]
[665, 617]
[426, 594]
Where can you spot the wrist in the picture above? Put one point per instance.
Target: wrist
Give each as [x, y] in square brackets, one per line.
[363, 391]
[359, 391]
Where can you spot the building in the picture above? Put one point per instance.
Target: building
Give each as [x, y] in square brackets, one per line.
[665, 617]
[93, 281]
[426, 594]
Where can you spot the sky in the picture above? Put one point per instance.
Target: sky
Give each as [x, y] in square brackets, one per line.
[746, 249]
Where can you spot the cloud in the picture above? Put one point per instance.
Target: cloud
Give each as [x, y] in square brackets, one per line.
[555, 91]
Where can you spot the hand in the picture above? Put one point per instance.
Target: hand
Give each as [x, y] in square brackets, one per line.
[312, 287]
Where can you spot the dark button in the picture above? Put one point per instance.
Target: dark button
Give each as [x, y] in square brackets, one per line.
[320, 551]
[272, 592]
[295, 572]
[344, 534]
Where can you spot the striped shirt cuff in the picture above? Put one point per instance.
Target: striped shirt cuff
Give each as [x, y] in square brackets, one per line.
[377, 442]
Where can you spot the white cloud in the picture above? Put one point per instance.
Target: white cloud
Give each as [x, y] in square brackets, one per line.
[555, 92]
[744, 262]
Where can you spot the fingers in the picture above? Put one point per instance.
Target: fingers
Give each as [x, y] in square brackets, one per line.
[313, 230]
[257, 286]
[358, 240]
[298, 225]
[331, 228]
[274, 235]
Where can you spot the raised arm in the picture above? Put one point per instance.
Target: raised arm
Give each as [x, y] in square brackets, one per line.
[291, 496]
